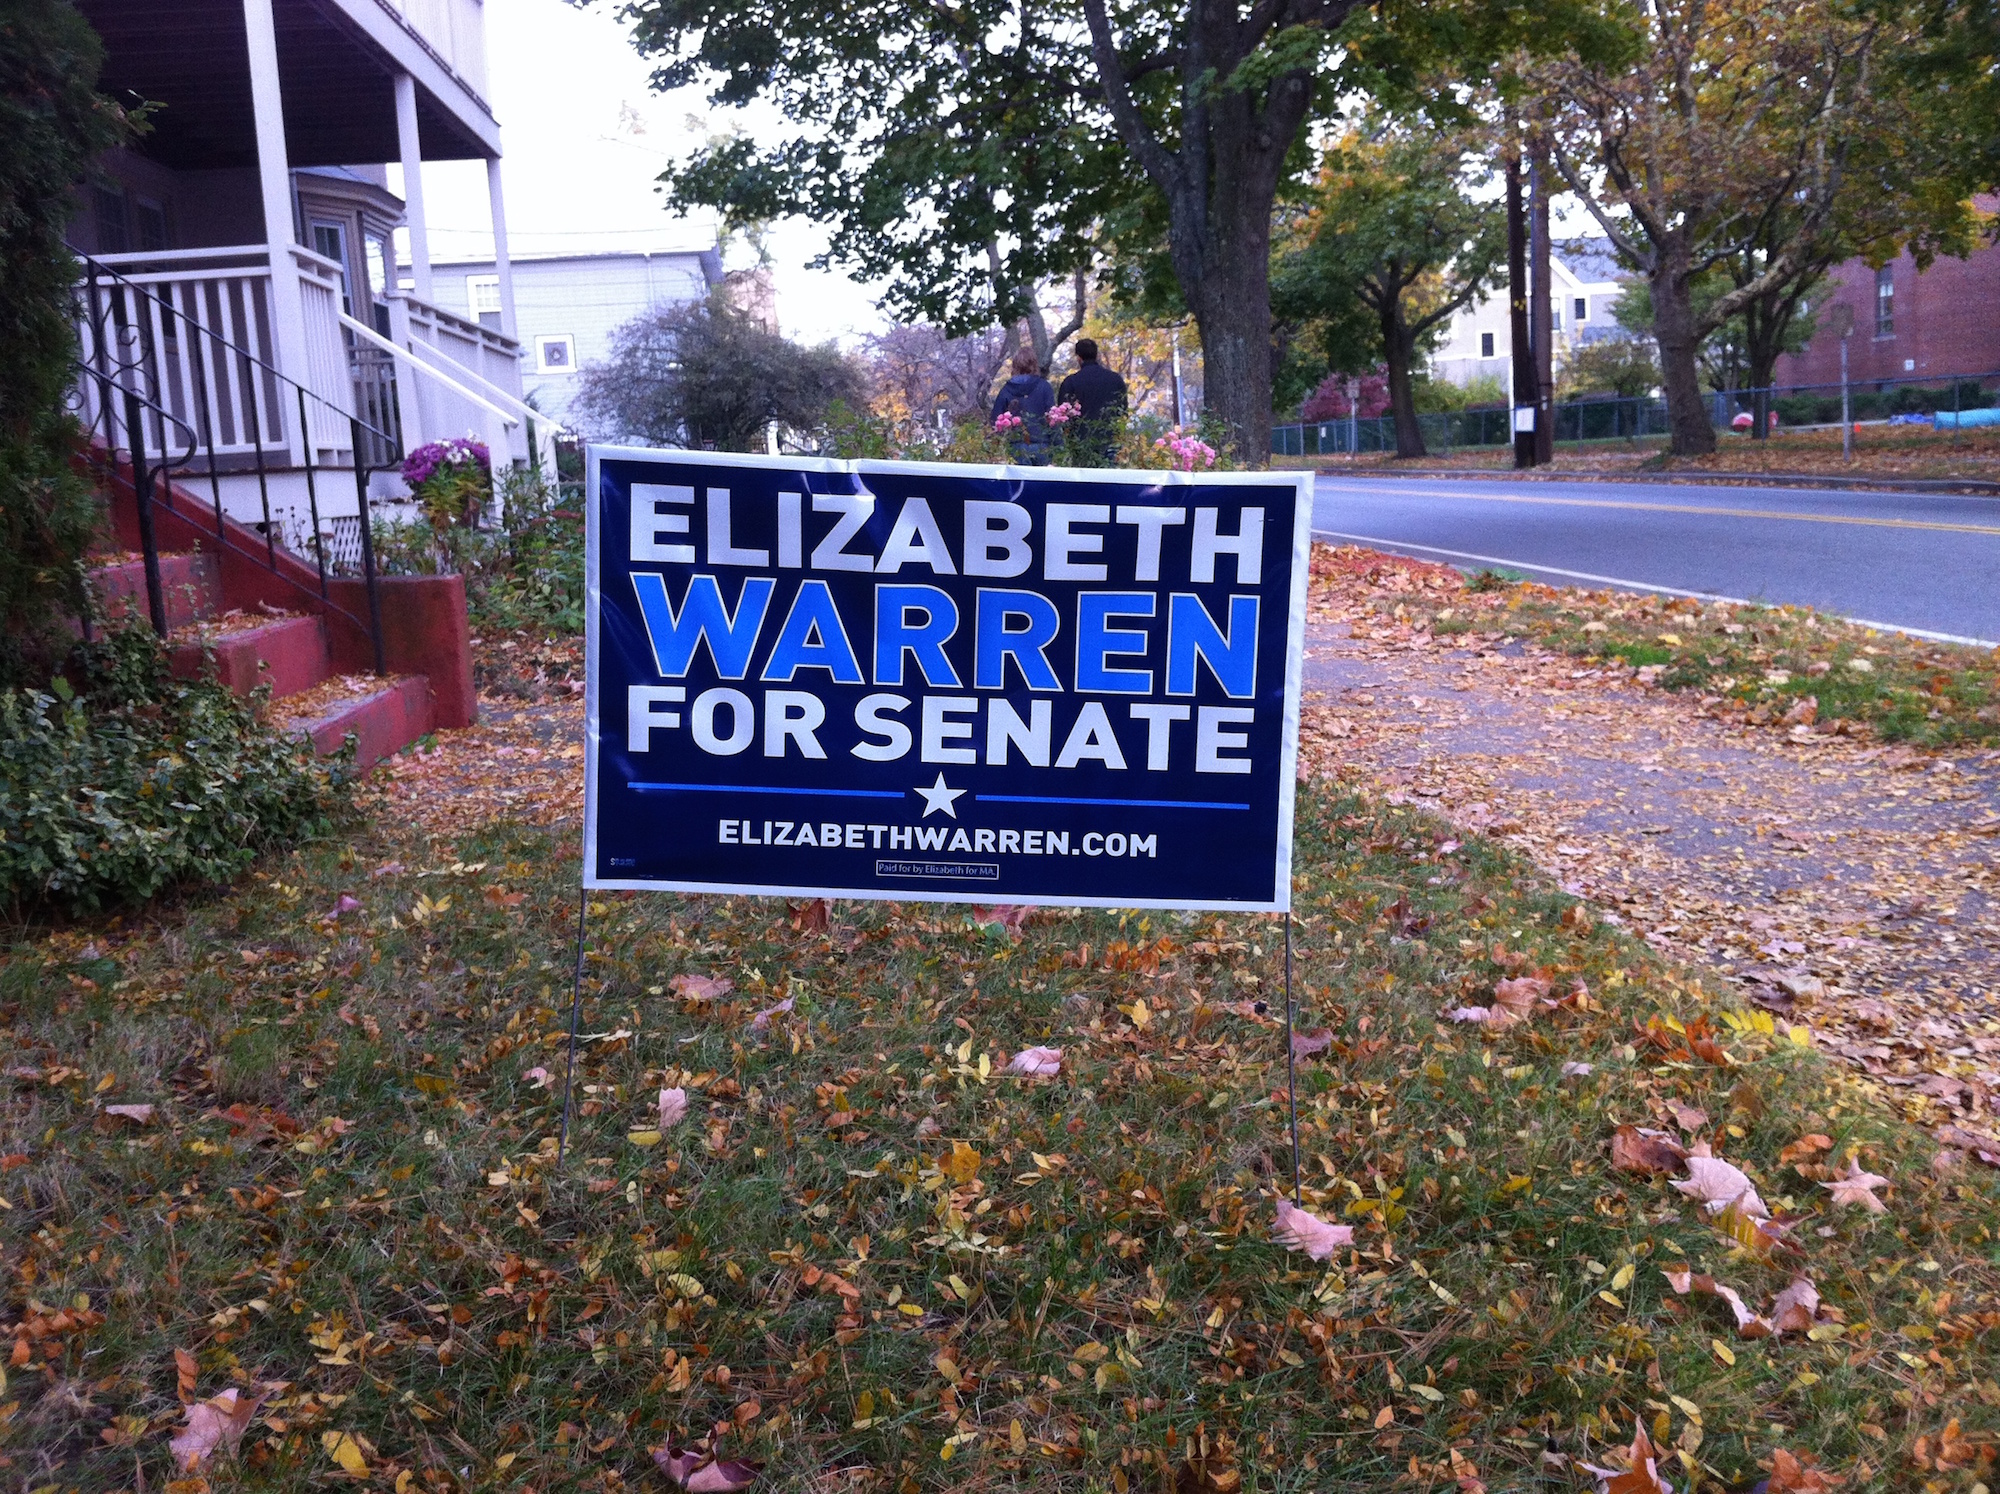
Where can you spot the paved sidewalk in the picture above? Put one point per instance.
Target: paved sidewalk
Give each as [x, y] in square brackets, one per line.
[1849, 887]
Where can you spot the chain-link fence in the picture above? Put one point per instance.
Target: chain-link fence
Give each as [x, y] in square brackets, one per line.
[1938, 402]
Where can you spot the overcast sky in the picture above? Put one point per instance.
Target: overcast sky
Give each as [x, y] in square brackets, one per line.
[584, 136]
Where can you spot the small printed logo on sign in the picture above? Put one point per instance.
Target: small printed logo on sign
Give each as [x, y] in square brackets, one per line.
[957, 871]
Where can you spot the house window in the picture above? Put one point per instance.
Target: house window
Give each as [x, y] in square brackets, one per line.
[1885, 301]
[378, 267]
[114, 233]
[330, 242]
[482, 294]
[149, 225]
[1581, 309]
[555, 355]
[1486, 344]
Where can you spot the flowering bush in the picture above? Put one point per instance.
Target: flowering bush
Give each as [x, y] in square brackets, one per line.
[1006, 422]
[451, 478]
[1187, 450]
[1065, 412]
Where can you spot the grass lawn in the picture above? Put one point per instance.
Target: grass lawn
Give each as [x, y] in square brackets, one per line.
[1881, 452]
[867, 1259]
[1781, 666]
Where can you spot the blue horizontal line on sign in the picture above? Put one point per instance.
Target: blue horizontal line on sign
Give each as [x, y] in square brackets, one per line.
[752, 788]
[1115, 803]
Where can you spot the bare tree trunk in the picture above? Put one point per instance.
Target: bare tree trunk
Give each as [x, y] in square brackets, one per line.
[1399, 350]
[1520, 348]
[1680, 346]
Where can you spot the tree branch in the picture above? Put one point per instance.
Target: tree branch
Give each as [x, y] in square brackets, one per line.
[1138, 135]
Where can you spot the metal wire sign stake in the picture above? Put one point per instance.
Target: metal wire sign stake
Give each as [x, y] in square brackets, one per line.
[930, 682]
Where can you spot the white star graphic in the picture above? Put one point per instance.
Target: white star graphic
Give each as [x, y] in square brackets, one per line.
[937, 797]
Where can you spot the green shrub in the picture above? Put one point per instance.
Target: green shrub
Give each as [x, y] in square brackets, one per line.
[527, 574]
[53, 124]
[137, 783]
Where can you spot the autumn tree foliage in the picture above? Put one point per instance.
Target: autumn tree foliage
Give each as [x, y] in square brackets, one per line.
[1759, 134]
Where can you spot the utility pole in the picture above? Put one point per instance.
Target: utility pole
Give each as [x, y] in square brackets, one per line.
[1180, 409]
[1520, 350]
[1843, 323]
[1542, 333]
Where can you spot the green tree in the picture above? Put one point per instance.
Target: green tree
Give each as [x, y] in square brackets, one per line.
[1395, 231]
[706, 375]
[1752, 138]
[53, 126]
[1624, 366]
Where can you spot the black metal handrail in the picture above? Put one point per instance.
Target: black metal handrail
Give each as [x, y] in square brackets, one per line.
[126, 370]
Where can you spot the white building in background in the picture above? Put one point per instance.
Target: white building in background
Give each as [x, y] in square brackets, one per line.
[1585, 283]
[242, 247]
[567, 306]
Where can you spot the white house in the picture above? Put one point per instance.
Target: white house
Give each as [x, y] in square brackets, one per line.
[1585, 281]
[567, 306]
[240, 253]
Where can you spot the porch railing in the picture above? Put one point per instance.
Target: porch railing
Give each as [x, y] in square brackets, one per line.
[162, 392]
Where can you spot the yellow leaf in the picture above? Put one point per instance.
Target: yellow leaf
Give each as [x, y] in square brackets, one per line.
[1016, 1438]
[1429, 1392]
[1801, 1035]
[687, 1286]
[344, 1450]
[864, 1407]
[1110, 1373]
[963, 1163]
[1141, 1017]
[1687, 1407]
[958, 1286]
[506, 1460]
[1622, 1278]
[1607, 1297]
[1722, 1351]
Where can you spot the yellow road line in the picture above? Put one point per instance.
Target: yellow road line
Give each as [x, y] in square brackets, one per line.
[1689, 508]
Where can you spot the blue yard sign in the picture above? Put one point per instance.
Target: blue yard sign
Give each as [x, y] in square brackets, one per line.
[923, 681]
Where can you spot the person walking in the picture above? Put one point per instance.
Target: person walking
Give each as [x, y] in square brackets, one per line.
[1024, 402]
[1100, 396]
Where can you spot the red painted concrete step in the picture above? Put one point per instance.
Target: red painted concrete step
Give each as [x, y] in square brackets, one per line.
[287, 653]
[191, 583]
[384, 716]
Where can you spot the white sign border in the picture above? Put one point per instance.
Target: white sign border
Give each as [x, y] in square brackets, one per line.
[1295, 634]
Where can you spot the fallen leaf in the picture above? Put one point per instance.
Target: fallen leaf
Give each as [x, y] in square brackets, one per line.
[673, 1105]
[699, 1471]
[809, 918]
[1299, 1229]
[344, 1450]
[1856, 1186]
[1684, 1280]
[1804, 1147]
[538, 1077]
[1687, 1117]
[1796, 1309]
[1522, 994]
[1470, 1014]
[346, 903]
[762, 1021]
[216, 1423]
[1575, 1070]
[690, 987]
[142, 1114]
[1641, 1476]
[1647, 1151]
[1011, 918]
[1797, 1473]
[1719, 1184]
[961, 1164]
[1305, 1044]
[1035, 1062]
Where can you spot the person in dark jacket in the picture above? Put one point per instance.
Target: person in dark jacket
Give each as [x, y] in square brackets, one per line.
[1099, 393]
[1026, 398]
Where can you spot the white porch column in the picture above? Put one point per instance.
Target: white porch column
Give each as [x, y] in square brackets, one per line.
[503, 264]
[413, 184]
[274, 177]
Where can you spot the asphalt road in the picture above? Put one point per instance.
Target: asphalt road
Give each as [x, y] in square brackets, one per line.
[1924, 562]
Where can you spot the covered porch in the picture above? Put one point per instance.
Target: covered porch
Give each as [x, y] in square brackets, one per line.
[240, 263]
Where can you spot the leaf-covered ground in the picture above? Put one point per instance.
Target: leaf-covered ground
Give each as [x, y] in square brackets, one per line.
[1790, 668]
[866, 1258]
[1882, 453]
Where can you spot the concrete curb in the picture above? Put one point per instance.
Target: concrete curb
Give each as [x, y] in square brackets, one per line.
[1914, 487]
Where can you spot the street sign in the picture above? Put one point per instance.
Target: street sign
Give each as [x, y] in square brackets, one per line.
[927, 681]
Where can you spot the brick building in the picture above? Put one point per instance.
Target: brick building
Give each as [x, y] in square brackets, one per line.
[1908, 324]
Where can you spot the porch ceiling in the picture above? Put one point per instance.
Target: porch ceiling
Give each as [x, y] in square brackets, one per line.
[191, 58]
